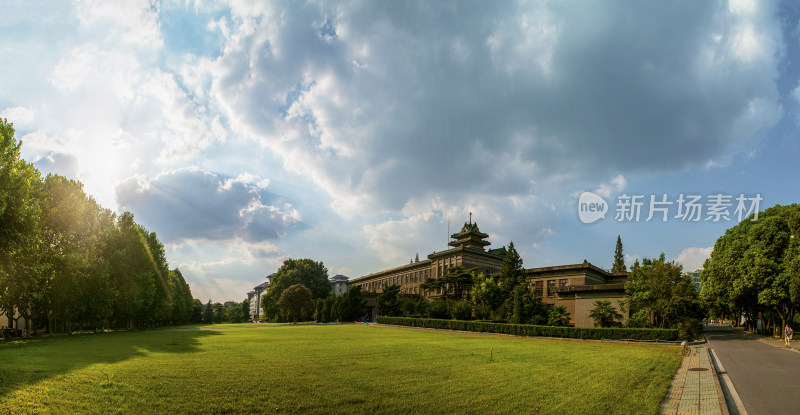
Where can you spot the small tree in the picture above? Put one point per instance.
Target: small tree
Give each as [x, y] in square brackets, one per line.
[389, 302]
[296, 302]
[558, 316]
[354, 304]
[619, 259]
[512, 274]
[604, 314]
[208, 313]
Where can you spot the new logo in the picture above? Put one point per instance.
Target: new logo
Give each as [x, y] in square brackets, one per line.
[591, 207]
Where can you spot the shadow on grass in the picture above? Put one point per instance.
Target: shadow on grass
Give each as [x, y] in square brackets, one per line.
[25, 363]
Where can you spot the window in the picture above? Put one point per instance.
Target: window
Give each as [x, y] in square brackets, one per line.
[537, 290]
[551, 284]
[563, 282]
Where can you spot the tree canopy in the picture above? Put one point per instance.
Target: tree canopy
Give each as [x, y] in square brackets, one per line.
[311, 274]
[296, 303]
[755, 268]
[67, 263]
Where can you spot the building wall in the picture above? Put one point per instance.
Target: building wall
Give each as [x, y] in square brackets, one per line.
[5, 323]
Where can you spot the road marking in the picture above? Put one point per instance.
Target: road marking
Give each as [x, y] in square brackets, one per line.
[723, 374]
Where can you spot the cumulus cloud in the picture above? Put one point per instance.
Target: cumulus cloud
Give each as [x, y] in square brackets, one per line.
[498, 97]
[693, 258]
[423, 226]
[191, 203]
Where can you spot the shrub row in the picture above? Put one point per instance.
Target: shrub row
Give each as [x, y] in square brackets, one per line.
[538, 331]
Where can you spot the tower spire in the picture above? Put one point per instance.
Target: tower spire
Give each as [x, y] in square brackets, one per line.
[470, 218]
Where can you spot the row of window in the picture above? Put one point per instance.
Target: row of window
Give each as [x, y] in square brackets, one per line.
[538, 287]
[407, 278]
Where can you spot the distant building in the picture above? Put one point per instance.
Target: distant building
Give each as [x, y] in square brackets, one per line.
[7, 323]
[695, 276]
[255, 298]
[230, 303]
[339, 284]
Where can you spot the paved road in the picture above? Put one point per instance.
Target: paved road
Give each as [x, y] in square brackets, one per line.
[767, 378]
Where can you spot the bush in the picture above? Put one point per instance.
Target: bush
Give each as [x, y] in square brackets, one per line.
[438, 309]
[538, 331]
[461, 310]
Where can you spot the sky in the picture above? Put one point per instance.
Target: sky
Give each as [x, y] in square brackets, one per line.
[358, 133]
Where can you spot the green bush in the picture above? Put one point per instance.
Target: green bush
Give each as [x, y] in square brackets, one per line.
[438, 309]
[535, 331]
[461, 310]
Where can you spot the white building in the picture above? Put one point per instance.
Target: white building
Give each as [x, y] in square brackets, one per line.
[255, 298]
[339, 284]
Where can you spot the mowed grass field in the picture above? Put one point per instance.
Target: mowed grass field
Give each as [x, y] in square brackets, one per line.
[330, 369]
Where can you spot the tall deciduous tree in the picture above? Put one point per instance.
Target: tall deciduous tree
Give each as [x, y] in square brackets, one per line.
[296, 302]
[755, 268]
[311, 274]
[619, 259]
[659, 295]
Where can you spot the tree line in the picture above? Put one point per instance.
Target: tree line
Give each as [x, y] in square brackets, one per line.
[753, 272]
[67, 263]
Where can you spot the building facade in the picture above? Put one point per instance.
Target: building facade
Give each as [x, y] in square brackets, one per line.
[339, 284]
[254, 297]
[576, 287]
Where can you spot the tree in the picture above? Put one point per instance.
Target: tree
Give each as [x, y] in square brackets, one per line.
[197, 311]
[754, 267]
[22, 282]
[604, 314]
[558, 316]
[208, 313]
[296, 302]
[353, 304]
[309, 273]
[512, 274]
[659, 295]
[389, 302]
[619, 259]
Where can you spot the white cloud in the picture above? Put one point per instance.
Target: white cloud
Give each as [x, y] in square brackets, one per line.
[693, 258]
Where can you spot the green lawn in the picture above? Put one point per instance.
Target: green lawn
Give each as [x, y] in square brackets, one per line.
[330, 369]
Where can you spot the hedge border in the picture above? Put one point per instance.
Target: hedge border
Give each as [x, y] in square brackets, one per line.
[530, 330]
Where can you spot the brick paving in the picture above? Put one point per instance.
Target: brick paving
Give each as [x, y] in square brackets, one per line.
[694, 387]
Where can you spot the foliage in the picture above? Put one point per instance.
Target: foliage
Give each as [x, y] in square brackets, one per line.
[558, 316]
[512, 274]
[536, 331]
[659, 295]
[67, 264]
[309, 273]
[439, 309]
[755, 268]
[296, 302]
[353, 304]
[604, 314]
[389, 302]
[619, 258]
[461, 310]
[454, 283]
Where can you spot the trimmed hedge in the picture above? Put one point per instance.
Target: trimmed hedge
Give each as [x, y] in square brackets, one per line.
[535, 331]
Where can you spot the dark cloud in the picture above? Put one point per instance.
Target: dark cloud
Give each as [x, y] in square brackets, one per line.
[195, 204]
[409, 99]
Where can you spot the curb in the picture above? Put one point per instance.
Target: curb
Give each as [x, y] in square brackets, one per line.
[722, 376]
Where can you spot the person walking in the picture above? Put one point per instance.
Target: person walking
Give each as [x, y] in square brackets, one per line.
[787, 335]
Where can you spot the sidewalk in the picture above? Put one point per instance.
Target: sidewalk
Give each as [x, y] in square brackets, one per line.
[779, 343]
[694, 388]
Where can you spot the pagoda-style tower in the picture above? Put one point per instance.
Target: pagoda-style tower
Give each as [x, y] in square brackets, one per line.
[469, 237]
